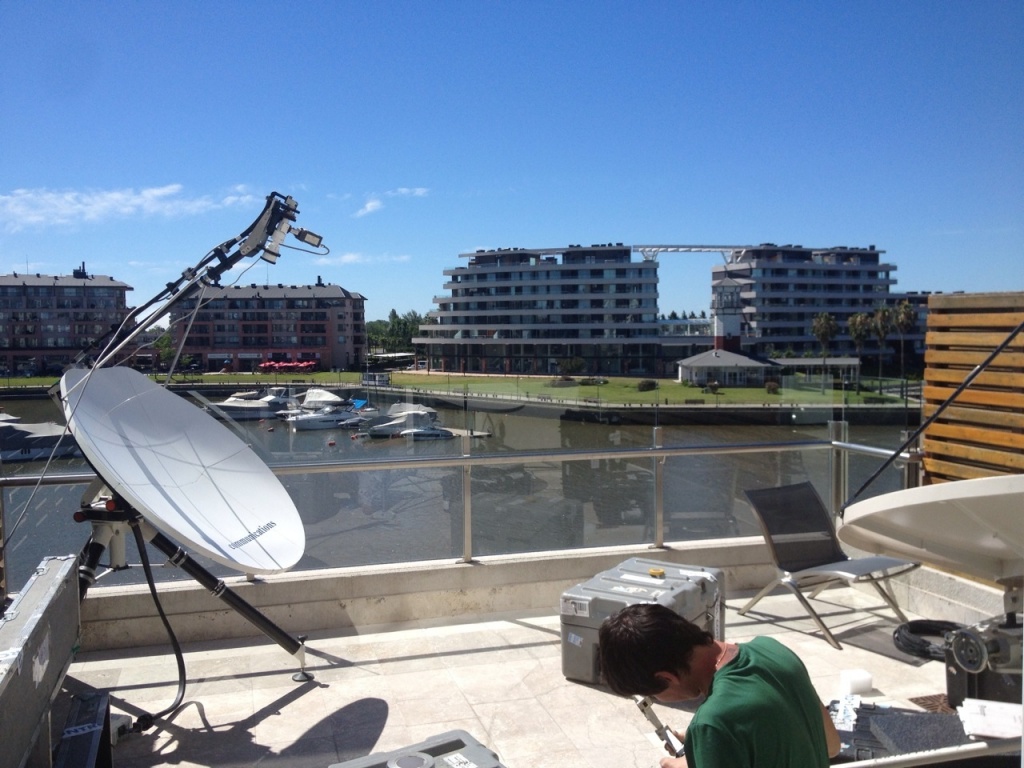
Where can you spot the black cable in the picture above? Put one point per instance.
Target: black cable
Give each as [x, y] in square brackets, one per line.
[145, 720]
[968, 380]
[910, 637]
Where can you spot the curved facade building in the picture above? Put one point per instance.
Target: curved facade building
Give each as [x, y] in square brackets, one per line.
[588, 309]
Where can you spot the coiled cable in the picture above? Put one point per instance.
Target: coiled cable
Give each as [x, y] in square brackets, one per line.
[911, 637]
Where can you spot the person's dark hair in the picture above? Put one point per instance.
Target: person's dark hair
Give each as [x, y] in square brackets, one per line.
[641, 640]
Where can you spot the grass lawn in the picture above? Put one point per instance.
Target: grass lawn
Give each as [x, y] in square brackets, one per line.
[616, 391]
[625, 391]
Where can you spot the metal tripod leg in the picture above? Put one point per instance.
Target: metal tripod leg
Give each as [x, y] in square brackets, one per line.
[180, 558]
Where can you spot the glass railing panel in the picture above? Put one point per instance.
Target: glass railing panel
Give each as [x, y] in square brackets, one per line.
[704, 493]
[38, 523]
[400, 503]
[378, 515]
[524, 507]
[616, 498]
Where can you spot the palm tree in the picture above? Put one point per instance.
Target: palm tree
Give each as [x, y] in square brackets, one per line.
[881, 325]
[859, 328]
[825, 328]
[904, 318]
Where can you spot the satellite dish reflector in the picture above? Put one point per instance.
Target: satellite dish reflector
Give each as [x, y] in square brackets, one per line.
[185, 473]
[970, 526]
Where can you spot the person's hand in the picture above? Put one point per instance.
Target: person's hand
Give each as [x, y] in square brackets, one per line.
[680, 738]
[673, 761]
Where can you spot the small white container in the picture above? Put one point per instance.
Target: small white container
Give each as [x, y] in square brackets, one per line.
[854, 681]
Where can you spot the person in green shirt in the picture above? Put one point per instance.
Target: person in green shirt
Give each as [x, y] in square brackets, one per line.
[760, 708]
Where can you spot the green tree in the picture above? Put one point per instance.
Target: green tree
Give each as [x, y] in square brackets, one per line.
[824, 328]
[396, 333]
[904, 318]
[859, 328]
[376, 331]
[881, 326]
[164, 346]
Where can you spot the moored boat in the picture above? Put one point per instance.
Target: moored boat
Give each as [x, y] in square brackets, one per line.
[313, 399]
[35, 442]
[401, 417]
[328, 417]
[256, 404]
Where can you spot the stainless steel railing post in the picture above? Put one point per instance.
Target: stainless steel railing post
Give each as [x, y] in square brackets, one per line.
[839, 466]
[467, 503]
[659, 492]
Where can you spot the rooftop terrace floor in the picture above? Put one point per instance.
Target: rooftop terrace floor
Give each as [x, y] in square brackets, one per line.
[499, 679]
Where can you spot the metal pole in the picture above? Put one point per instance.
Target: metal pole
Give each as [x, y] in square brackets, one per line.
[838, 432]
[659, 492]
[467, 504]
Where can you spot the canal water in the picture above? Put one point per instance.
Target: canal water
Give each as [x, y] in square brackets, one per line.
[394, 515]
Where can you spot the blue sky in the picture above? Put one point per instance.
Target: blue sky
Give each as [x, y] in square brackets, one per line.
[135, 136]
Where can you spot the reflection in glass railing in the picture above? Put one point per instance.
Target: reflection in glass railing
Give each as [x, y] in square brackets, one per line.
[534, 485]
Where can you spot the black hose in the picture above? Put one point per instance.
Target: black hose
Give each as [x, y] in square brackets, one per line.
[145, 720]
[911, 637]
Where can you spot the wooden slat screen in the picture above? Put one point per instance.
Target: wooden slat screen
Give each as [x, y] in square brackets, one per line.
[981, 434]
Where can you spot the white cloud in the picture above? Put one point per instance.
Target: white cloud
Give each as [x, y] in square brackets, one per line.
[372, 206]
[358, 258]
[28, 208]
[408, 192]
[374, 202]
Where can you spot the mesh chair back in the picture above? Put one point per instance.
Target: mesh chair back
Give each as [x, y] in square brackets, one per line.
[797, 526]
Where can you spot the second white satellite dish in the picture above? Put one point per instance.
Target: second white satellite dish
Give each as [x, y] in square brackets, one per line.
[971, 526]
[187, 474]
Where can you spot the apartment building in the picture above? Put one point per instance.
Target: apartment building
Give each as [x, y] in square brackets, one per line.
[774, 293]
[46, 320]
[592, 309]
[238, 327]
[531, 311]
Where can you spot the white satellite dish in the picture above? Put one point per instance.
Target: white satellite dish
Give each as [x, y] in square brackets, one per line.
[183, 471]
[971, 526]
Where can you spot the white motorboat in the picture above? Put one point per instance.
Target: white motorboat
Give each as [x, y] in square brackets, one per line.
[401, 417]
[428, 433]
[327, 417]
[313, 399]
[398, 418]
[257, 404]
[332, 416]
[35, 442]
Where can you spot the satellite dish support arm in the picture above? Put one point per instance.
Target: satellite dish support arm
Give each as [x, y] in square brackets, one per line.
[182, 559]
[108, 530]
[265, 236]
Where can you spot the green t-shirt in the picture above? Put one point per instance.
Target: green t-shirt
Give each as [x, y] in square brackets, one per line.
[761, 711]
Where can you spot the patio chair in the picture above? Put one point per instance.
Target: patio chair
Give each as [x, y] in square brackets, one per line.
[802, 540]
